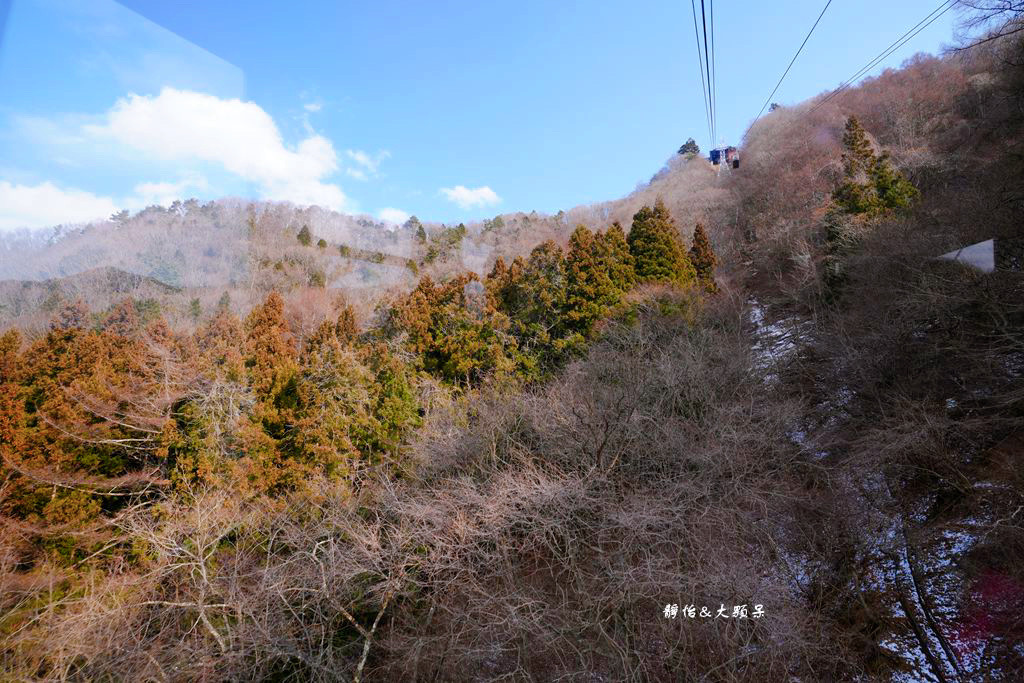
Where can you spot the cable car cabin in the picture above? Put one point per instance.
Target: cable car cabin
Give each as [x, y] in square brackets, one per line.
[727, 154]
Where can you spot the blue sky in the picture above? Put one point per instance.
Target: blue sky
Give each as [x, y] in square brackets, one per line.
[447, 110]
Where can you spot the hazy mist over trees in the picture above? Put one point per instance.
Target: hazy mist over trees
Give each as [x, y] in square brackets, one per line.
[250, 248]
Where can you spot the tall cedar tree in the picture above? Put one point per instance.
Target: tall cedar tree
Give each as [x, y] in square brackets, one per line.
[704, 259]
[872, 185]
[894, 191]
[272, 368]
[304, 236]
[269, 345]
[620, 263]
[334, 407]
[598, 272]
[658, 253]
[532, 293]
[222, 344]
[457, 336]
[855, 194]
[859, 153]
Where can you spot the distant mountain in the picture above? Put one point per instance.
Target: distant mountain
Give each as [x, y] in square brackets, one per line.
[247, 248]
[29, 303]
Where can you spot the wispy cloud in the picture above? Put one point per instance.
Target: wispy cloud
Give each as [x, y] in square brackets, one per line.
[467, 198]
[366, 165]
[313, 106]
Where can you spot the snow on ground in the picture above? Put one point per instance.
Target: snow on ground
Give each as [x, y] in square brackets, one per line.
[939, 546]
[775, 341]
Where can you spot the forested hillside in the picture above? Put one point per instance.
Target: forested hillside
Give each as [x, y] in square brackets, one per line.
[528, 451]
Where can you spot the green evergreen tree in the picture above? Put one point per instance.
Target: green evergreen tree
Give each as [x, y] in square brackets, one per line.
[872, 184]
[618, 259]
[272, 368]
[599, 271]
[538, 288]
[704, 260]
[532, 293]
[658, 254]
[893, 190]
[305, 236]
[453, 337]
[421, 233]
[689, 147]
[854, 197]
[333, 406]
[346, 327]
[395, 405]
[269, 345]
[859, 154]
[588, 289]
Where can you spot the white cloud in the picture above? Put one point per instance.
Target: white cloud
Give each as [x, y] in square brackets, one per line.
[184, 126]
[391, 215]
[164, 193]
[313, 106]
[45, 204]
[366, 165]
[35, 206]
[469, 199]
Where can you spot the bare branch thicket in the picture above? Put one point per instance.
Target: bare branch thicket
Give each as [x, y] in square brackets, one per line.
[996, 18]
